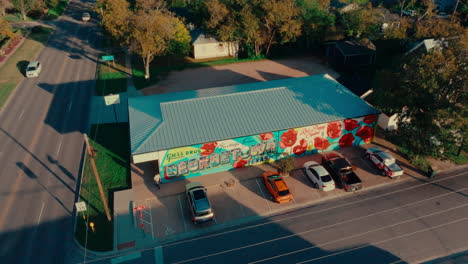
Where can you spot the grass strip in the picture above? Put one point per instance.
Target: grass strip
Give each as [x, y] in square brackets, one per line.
[57, 11]
[12, 71]
[111, 141]
[112, 77]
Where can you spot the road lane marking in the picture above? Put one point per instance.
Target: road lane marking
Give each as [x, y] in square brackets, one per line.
[292, 217]
[70, 105]
[30, 149]
[264, 198]
[309, 213]
[182, 212]
[387, 240]
[59, 147]
[40, 214]
[327, 226]
[360, 234]
[21, 115]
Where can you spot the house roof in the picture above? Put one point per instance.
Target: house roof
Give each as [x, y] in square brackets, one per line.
[199, 37]
[351, 48]
[171, 120]
[427, 45]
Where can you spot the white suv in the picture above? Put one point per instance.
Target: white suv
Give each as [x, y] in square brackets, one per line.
[33, 69]
[319, 176]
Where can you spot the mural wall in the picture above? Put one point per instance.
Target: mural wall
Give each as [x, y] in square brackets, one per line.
[196, 160]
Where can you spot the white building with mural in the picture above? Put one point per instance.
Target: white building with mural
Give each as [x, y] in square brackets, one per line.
[194, 133]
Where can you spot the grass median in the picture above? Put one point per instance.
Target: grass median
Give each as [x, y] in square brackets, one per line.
[112, 77]
[12, 71]
[111, 141]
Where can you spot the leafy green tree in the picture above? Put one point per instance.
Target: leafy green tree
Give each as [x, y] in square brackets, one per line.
[432, 27]
[317, 19]
[5, 29]
[180, 44]
[151, 34]
[4, 5]
[360, 23]
[25, 6]
[115, 17]
[434, 88]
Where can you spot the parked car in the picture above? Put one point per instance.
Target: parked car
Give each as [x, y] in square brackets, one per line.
[340, 168]
[384, 161]
[319, 176]
[200, 206]
[86, 17]
[409, 13]
[33, 69]
[277, 187]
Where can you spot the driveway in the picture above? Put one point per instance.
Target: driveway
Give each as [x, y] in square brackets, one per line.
[239, 73]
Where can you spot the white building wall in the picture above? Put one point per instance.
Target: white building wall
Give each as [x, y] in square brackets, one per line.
[214, 50]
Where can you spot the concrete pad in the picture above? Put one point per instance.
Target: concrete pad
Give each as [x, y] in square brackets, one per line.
[167, 216]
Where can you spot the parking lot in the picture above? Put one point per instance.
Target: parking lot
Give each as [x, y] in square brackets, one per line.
[240, 195]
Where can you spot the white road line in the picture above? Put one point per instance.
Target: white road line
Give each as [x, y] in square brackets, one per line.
[364, 233]
[277, 221]
[266, 200]
[309, 213]
[182, 212]
[21, 115]
[59, 147]
[40, 214]
[384, 241]
[70, 106]
[328, 226]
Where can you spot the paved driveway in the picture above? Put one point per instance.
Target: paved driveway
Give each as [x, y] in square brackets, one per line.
[239, 73]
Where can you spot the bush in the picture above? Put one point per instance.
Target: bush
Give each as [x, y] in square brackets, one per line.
[285, 166]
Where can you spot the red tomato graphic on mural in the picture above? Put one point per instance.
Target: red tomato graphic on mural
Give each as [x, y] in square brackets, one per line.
[346, 140]
[208, 148]
[266, 136]
[366, 133]
[301, 148]
[334, 130]
[321, 143]
[240, 163]
[288, 138]
[370, 119]
[350, 124]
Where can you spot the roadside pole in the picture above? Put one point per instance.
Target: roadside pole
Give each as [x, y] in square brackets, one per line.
[98, 179]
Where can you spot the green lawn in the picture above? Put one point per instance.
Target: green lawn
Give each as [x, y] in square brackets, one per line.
[161, 66]
[17, 17]
[112, 144]
[112, 79]
[11, 72]
[58, 10]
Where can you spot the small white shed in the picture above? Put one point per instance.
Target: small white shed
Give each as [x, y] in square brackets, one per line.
[204, 47]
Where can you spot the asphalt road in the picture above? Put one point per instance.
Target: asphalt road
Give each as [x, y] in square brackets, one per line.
[408, 222]
[41, 144]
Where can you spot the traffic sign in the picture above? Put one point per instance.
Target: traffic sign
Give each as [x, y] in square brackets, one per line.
[107, 58]
[112, 99]
[80, 206]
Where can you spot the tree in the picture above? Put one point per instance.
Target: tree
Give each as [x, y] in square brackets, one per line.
[150, 35]
[115, 17]
[360, 23]
[252, 30]
[5, 29]
[317, 20]
[432, 27]
[180, 44]
[282, 22]
[405, 4]
[436, 91]
[398, 30]
[4, 5]
[24, 6]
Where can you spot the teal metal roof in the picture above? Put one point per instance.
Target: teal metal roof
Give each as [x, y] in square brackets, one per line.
[166, 121]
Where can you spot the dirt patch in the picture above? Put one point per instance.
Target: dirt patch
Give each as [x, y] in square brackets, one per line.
[239, 73]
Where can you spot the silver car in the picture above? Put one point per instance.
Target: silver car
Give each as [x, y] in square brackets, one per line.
[33, 69]
[319, 176]
[200, 206]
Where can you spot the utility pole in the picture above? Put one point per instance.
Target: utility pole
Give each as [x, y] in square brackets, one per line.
[96, 174]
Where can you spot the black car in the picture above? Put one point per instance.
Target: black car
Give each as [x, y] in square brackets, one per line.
[342, 171]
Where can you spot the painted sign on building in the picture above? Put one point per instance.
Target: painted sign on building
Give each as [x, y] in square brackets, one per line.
[196, 160]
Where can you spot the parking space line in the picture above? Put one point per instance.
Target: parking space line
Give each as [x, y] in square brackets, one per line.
[264, 198]
[158, 255]
[183, 215]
